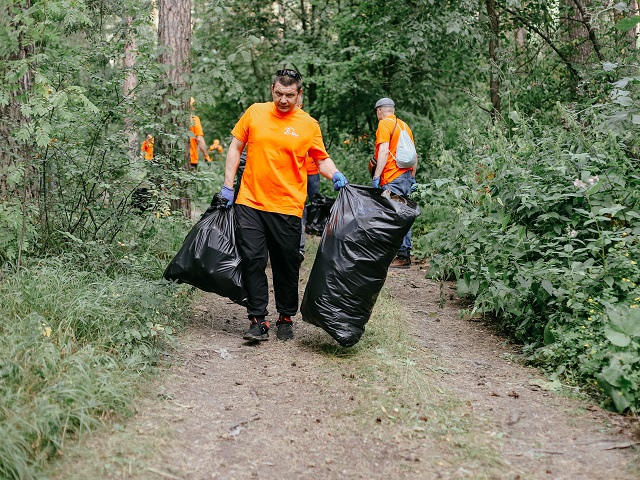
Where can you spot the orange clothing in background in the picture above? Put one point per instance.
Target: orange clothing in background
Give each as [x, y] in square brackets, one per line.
[312, 166]
[196, 128]
[275, 176]
[383, 134]
[147, 149]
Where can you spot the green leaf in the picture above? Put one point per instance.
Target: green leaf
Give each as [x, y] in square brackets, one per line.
[611, 210]
[620, 400]
[627, 24]
[613, 374]
[549, 337]
[625, 320]
[594, 188]
[546, 284]
[616, 337]
[515, 117]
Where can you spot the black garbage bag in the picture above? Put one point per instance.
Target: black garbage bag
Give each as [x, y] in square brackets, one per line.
[209, 258]
[318, 212]
[363, 234]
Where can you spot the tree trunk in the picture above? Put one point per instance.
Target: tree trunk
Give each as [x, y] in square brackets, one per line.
[635, 31]
[13, 154]
[494, 80]
[585, 17]
[580, 32]
[128, 88]
[174, 41]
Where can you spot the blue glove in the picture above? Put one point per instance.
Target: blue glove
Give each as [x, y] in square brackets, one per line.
[414, 185]
[375, 183]
[339, 180]
[227, 193]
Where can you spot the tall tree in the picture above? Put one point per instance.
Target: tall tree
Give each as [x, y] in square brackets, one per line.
[581, 31]
[16, 70]
[174, 43]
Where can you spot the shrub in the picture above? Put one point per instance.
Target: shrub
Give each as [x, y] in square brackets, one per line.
[544, 234]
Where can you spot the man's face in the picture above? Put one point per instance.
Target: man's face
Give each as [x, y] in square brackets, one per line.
[379, 113]
[285, 98]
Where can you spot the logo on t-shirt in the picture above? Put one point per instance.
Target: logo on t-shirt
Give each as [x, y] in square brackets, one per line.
[290, 131]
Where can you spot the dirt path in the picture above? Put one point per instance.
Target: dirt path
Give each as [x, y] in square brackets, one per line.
[306, 409]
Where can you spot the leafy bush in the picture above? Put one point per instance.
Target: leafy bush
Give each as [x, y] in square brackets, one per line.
[544, 233]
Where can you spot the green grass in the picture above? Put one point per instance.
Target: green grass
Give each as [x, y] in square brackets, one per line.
[74, 347]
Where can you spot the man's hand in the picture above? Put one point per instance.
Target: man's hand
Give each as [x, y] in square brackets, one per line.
[375, 183]
[339, 180]
[227, 193]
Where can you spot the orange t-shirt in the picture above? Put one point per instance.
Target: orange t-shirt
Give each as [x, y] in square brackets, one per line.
[147, 149]
[383, 134]
[196, 128]
[312, 166]
[275, 176]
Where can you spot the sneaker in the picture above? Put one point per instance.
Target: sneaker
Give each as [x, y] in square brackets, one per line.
[285, 328]
[401, 262]
[300, 258]
[258, 331]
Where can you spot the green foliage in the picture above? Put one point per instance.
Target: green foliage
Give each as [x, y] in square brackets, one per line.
[538, 221]
[79, 332]
[544, 234]
[17, 231]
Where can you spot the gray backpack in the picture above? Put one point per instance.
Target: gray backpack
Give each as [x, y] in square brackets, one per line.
[406, 155]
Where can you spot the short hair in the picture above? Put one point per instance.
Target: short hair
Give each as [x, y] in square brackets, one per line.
[287, 77]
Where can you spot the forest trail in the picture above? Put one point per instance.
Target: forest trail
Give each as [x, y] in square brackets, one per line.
[305, 409]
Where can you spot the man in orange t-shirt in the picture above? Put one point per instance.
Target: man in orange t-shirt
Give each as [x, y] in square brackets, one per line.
[270, 201]
[387, 175]
[197, 141]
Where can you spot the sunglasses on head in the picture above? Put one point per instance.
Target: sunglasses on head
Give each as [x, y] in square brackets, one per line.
[289, 73]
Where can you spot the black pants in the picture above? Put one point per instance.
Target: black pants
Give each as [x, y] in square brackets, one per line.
[262, 235]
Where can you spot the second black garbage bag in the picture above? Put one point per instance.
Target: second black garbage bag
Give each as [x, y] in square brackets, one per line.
[361, 238]
[209, 258]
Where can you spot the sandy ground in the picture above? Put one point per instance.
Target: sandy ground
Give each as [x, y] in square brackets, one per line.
[287, 410]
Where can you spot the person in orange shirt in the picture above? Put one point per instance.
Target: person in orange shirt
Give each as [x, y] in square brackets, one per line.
[146, 149]
[387, 175]
[196, 143]
[270, 201]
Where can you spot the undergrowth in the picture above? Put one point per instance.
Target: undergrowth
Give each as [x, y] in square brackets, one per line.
[80, 332]
[542, 229]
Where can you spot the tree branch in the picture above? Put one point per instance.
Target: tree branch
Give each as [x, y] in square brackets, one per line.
[542, 35]
[592, 33]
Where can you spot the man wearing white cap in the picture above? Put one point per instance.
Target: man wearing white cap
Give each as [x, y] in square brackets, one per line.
[386, 172]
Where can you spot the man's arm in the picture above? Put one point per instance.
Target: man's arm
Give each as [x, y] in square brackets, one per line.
[326, 167]
[383, 156]
[202, 146]
[414, 169]
[233, 161]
